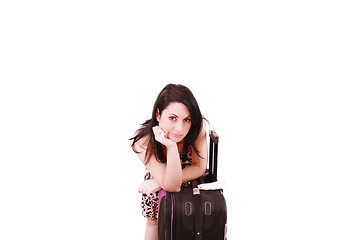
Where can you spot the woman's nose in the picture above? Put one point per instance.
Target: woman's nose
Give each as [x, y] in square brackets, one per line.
[179, 126]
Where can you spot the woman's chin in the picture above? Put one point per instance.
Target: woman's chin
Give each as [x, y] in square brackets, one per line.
[177, 140]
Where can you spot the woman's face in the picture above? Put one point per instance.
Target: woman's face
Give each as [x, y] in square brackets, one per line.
[175, 120]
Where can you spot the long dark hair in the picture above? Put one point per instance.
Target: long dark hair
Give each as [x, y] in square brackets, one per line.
[170, 93]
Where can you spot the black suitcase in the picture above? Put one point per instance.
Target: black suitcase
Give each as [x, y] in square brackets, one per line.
[193, 213]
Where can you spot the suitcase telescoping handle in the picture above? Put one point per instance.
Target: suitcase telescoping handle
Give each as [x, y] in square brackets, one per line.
[213, 156]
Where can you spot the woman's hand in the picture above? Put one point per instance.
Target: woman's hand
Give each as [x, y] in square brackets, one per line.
[161, 137]
[149, 186]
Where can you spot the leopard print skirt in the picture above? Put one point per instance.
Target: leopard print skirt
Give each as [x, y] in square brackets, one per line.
[150, 203]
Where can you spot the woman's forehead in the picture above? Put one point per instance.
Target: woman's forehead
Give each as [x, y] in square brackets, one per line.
[178, 109]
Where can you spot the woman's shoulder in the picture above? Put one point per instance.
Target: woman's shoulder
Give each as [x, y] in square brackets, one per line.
[140, 147]
[142, 143]
[202, 134]
[203, 129]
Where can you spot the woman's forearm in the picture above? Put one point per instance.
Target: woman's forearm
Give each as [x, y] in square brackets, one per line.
[172, 179]
[192, 172]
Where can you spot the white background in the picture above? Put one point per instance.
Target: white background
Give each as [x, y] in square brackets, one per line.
[277, 79]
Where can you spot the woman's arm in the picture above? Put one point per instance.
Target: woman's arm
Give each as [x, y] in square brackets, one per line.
[168, 175]
[199, 165]
[149, 186]
[173, 173]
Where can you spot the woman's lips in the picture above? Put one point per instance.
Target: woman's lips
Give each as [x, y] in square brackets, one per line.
[177, 136]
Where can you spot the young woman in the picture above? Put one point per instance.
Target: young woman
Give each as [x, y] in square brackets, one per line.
[173, 147]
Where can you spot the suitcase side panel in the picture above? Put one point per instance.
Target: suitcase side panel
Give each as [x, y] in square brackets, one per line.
[165, 217]
[214, 215]
[184, 214]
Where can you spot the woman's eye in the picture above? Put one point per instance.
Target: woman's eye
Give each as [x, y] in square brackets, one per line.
[172, 118]
[188, 120]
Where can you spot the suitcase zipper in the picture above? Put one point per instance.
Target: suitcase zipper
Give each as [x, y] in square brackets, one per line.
[172, 215]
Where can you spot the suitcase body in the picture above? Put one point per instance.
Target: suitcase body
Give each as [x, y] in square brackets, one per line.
[193, 213]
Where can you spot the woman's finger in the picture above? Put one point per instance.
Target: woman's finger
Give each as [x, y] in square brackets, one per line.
[158, 130]
[141, 188]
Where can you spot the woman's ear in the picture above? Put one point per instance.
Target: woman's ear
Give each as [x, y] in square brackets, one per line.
[158, 115]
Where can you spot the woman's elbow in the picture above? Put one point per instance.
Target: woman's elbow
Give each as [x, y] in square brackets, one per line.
[202, 170]
[176, 189]
[172, 187]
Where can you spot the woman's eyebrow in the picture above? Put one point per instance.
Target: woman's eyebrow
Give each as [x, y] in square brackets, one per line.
[174, 114]
[178, 117]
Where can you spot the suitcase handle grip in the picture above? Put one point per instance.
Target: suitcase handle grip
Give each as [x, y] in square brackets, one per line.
[213, 156]
[214, 137]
